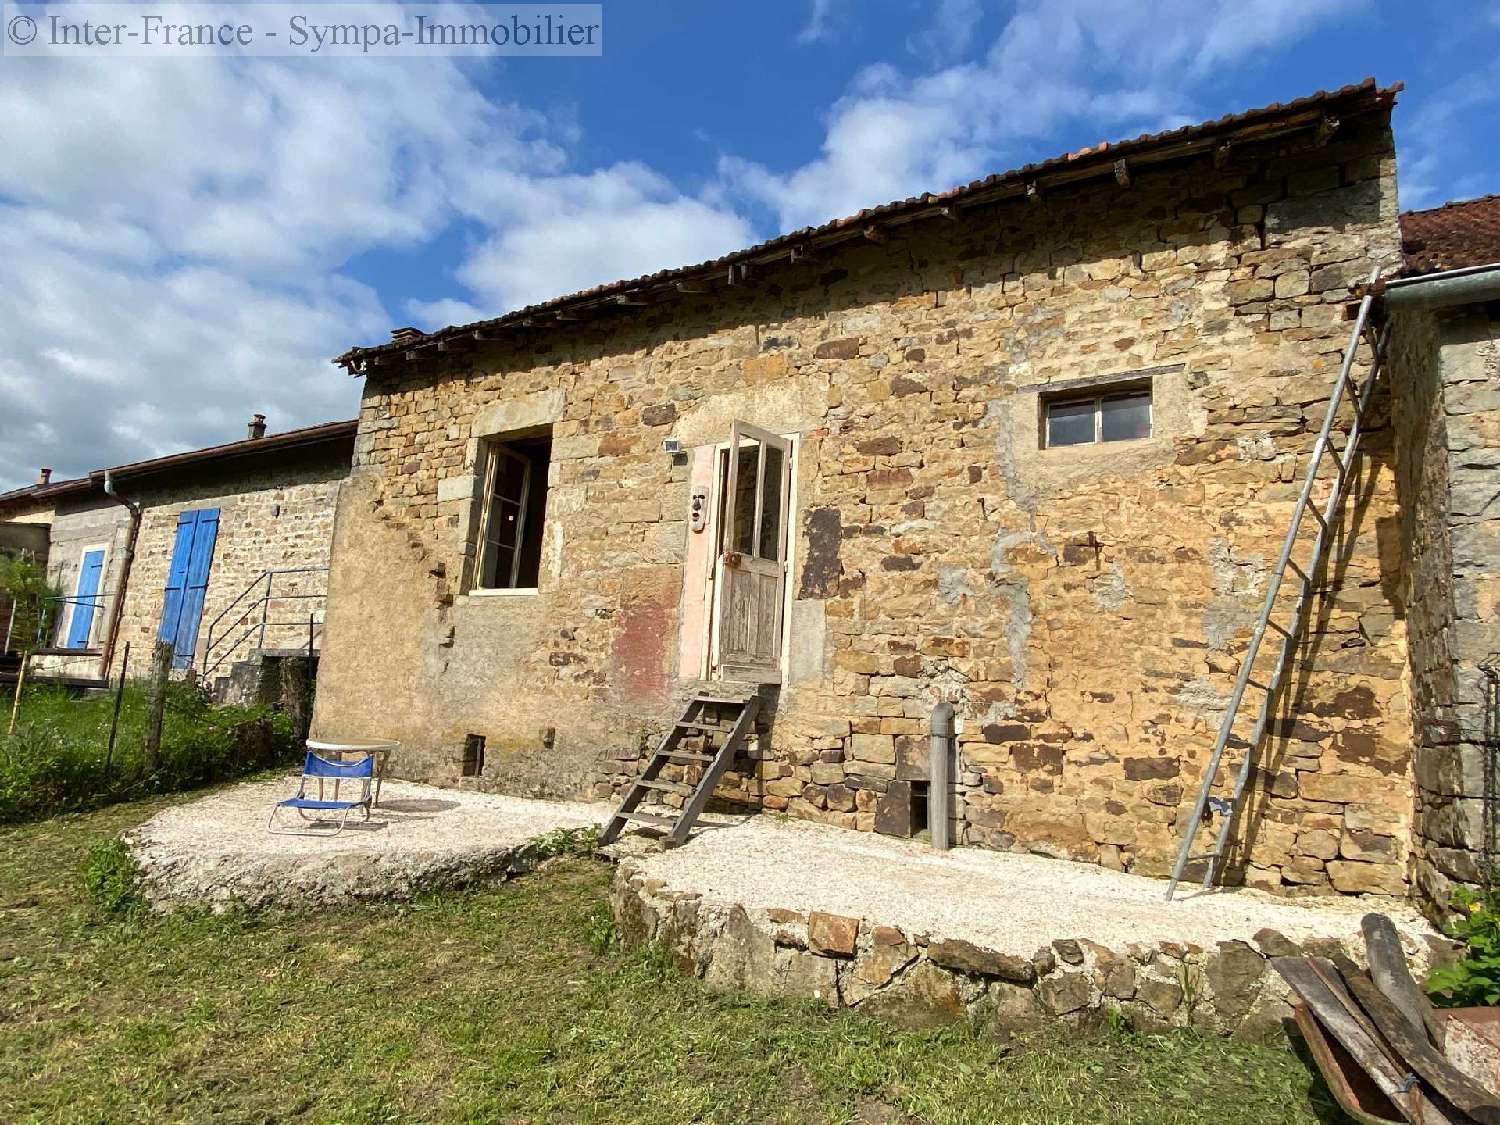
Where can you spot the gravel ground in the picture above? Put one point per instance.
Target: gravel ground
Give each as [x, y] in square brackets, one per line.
[1007, 902]
[217, 851]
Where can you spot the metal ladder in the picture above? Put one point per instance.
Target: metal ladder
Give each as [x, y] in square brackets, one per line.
[1228, 807]
[703, 716]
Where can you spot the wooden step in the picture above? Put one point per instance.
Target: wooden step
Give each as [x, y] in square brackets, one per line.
[667, 787]
[648, 818]
[686, 755]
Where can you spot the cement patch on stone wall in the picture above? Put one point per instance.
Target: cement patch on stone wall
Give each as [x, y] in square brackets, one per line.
[927, 937]
[215, 852]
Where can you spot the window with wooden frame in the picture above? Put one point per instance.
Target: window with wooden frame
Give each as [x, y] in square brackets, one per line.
[511, 512]
[1115, 413]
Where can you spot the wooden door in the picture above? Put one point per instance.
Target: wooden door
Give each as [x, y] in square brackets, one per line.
[750, 569]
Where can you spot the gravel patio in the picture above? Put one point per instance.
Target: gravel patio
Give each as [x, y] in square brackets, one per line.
[216, 851]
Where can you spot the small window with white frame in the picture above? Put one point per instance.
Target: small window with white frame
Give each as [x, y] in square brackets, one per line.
[1115, 413]
[508, 551]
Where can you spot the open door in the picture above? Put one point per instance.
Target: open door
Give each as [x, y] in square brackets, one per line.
[750, 568]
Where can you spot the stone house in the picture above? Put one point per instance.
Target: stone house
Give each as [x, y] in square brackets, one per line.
[182, 547]
[1446, 372]
[1030, 446]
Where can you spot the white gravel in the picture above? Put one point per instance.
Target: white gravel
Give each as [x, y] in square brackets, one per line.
[1004, 901]
[217, 851]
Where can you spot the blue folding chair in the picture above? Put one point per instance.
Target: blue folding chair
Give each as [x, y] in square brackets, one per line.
[309, 808]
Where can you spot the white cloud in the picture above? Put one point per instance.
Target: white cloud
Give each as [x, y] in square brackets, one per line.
[172, 237]
[1056, 66]
[949, 36]
[559, 234]
[818, 26]
[1430, 161]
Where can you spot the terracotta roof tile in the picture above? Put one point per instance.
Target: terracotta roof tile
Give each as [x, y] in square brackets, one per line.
[1453, 236]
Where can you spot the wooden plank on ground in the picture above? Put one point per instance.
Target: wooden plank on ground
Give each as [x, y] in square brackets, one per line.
[1345, 1023]
[1392, 975]
[1354, 1090]
[1411, 1044]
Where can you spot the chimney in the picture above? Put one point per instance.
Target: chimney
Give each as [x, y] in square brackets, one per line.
[257, 428]
[44, 476]
[406, 335]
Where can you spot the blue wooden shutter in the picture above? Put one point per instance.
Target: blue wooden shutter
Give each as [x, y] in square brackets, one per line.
[187, 580]
[89, 573]
[171, 609]
[199, 562]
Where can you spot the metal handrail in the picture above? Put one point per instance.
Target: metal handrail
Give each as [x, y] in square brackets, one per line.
[263, 602]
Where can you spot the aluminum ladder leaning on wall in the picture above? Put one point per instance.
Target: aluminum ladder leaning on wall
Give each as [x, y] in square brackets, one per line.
[1228, 807]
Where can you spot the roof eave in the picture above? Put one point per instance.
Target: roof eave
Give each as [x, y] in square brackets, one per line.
[1316, 111]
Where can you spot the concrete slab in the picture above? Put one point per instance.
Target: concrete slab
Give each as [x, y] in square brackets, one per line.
[216, 851]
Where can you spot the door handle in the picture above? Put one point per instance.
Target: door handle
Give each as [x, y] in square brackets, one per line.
[733, 559]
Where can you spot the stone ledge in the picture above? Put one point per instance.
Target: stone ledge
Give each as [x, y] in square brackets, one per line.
[921, 980]
[924, 937]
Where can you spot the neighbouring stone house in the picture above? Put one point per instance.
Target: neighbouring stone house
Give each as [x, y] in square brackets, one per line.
[1446, 372]
[182, 548]
[1030, 446]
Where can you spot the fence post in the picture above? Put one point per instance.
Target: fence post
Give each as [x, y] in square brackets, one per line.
[114, 723]
[161, 669]
[15, 707]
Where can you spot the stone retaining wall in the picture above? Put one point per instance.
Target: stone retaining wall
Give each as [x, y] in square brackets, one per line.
[928, 979]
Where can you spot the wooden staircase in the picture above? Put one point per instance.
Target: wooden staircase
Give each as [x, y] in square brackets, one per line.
[689, 761]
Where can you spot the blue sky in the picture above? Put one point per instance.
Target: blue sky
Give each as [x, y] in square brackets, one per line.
[183, 243]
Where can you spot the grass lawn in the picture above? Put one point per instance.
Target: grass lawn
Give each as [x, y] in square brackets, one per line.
[496, 1006]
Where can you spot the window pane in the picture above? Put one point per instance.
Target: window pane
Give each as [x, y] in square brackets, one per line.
[1125, 417]
[507, 498]
[1070, 423]
[770, 520]
[745, 488]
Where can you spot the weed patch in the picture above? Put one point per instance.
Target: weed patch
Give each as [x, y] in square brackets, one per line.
[110, 880]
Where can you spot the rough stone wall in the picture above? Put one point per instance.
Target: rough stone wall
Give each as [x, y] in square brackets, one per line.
[1084, 607]
[277, 516]
[81, 525]
[1447, 374]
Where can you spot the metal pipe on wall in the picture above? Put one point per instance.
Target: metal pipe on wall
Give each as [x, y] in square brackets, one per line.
[1443, 290]
[117, 610]
[940, 775]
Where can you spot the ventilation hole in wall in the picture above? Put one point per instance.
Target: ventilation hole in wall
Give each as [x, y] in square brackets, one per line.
[918, 807]
[473, 755]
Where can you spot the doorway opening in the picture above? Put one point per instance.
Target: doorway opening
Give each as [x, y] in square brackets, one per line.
[749, 567]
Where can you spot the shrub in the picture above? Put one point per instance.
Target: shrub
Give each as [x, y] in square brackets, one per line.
[1474, 980]
[568, 841]
[599, 927]
[110, 879]
[56, 760]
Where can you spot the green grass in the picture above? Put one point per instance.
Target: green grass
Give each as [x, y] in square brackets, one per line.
[58, 759]
[511, 1004]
